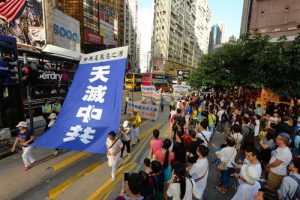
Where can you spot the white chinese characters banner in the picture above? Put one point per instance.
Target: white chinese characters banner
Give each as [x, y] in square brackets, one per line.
[181, 88]
[146, 111]
[93, 105]
[150, 91]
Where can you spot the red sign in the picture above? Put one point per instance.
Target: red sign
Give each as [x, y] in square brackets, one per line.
[90, 37]
[147, 79]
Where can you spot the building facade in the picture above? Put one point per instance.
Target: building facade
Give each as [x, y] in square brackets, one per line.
[101, 22]
[130, 33]
[273, 17]
[217, 36]
[180, 34]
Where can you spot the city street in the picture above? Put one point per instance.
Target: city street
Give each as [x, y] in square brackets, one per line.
[79, 175]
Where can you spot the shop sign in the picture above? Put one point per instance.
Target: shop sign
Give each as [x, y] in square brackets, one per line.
[50, 76]
[66, 31]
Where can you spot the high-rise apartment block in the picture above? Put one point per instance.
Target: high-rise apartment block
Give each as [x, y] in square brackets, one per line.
[273, 17]
[217, 36]
[130, 33]
[180, 34]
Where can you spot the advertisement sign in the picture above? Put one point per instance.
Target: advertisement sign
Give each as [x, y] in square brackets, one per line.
[94, 99]
[150, 91]
[24, 20]
[108, 25]
[159, 66]
[172, 68]
[91, 37]
[66, 31]
[183, 74]
[146, 111]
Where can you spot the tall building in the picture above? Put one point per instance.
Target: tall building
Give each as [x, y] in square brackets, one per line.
[180, 34]
[101, 22]
[217, 36]
[273, 17]
[130, 32]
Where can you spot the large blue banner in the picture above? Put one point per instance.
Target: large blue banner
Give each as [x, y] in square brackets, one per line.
[93, 105]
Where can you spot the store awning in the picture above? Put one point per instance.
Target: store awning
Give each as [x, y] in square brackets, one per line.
[61, 52]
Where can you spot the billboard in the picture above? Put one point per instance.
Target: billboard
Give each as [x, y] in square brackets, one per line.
[159, 66]
[91, 37]
[23, 20]
[66, 31]
[108, 19]
[172, 68]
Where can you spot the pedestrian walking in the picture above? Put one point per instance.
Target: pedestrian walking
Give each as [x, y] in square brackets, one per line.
[114, 146]
[26, 138]
[136, 122]
[199, 170]
[125, 134]
[52, 118]
[126, 103]
[162, 103]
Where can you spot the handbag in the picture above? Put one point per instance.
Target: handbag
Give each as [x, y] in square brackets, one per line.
[223, 165]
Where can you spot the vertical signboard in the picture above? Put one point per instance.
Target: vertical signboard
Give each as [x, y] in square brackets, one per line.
[24, 20]
[108, 25]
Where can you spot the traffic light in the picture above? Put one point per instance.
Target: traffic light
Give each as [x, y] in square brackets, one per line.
[26, 74]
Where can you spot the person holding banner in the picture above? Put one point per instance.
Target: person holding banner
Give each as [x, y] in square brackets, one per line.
[114, 146]
[136, 121]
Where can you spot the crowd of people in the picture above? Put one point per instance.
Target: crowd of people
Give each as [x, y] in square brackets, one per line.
[260, 158]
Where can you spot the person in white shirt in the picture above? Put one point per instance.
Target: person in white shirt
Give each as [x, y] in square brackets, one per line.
[199, 170]
[202, 131]
[251, 154]
[182, 188]
[280, 159]
[289, 183]
[227, 155]
[248, 186]
[114, 146]
[236, 135]
[220, 124]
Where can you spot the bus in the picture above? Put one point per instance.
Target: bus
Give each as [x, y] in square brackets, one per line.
[11, 111]
[133, 81]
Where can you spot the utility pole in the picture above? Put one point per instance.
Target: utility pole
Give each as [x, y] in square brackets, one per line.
[29, 96]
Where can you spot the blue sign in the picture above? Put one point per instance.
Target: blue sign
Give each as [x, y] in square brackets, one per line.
[93, 105]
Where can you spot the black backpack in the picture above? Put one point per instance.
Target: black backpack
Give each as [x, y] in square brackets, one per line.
[297, 193]
[249, 140]
[180, 121]
[224, 117]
